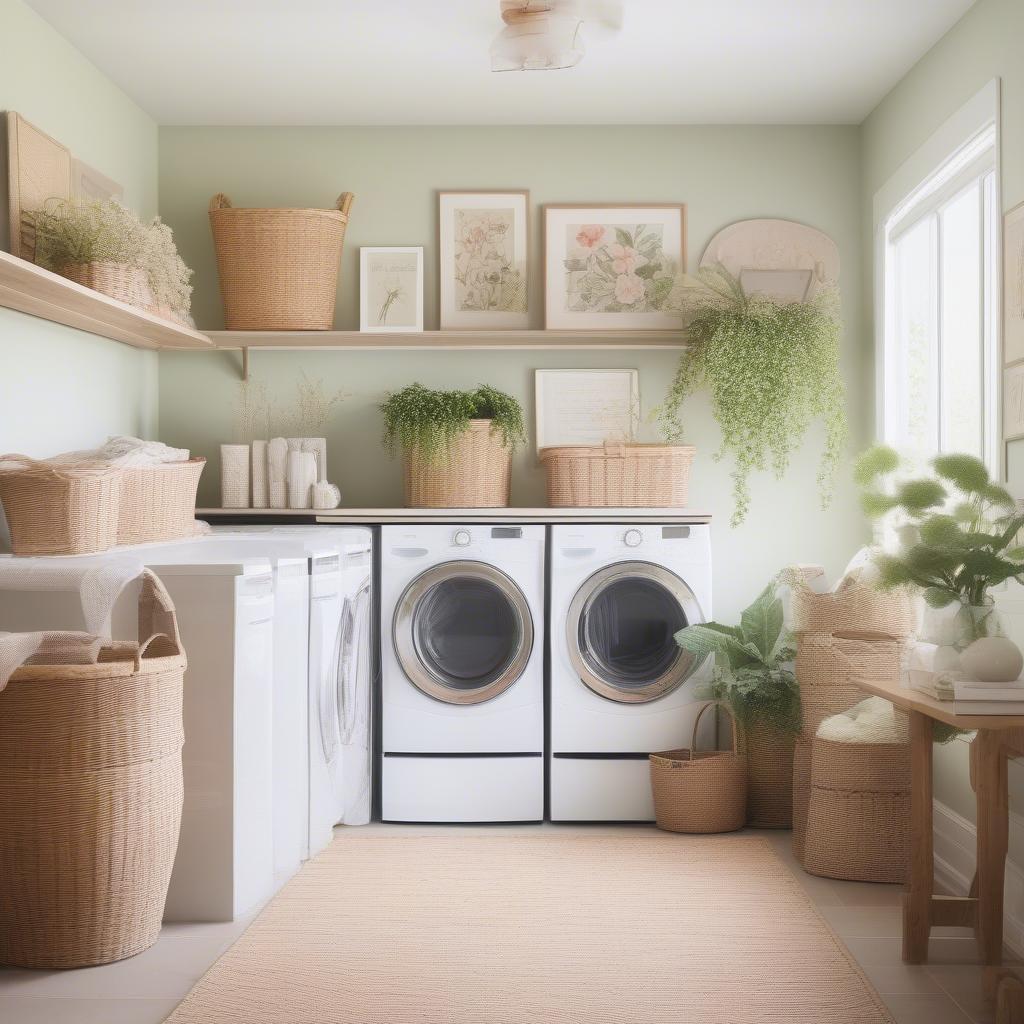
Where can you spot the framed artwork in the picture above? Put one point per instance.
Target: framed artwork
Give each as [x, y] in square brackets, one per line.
[1013, 402]
[586, 406]
[1013, 285]
[613, 267]
[483, 260]
[391, 288]
[89, 184]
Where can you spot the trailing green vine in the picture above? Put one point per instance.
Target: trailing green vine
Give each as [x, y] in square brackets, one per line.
[772, 370]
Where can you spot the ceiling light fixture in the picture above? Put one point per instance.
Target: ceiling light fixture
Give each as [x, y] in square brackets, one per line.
[539, 35]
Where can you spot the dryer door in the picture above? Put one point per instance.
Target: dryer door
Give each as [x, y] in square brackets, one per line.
[463, 632]
[621, 631]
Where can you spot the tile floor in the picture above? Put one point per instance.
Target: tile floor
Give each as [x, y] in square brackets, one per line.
[144, 989]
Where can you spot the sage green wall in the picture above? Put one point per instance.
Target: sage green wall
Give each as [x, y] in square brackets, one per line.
[983, 45]
[810, 174]
[61, 388]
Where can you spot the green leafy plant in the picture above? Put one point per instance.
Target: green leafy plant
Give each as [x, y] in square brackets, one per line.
[751, 672]
[425, 422]
[772, 370]
[70, 231]
[957, 528]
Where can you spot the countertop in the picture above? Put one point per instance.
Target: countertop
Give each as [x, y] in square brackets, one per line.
[350, 516]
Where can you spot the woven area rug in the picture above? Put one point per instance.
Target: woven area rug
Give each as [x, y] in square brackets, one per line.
[395, 926]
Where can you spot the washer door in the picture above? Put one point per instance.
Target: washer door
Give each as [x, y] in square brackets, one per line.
[463, 632]
[621, 631]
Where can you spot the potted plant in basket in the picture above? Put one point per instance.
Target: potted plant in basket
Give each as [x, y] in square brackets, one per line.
[457, 445]
[753, 674]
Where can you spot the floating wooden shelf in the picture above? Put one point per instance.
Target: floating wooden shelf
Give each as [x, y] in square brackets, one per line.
[31, 289]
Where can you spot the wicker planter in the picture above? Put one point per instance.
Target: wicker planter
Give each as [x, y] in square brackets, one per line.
[119, 281]
[90, 800]
[618, 475]
[158, 502]
[278, 268]
[476, 472]
[801, 795]
[769, 777]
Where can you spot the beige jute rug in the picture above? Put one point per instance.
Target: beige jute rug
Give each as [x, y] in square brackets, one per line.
[471, 926]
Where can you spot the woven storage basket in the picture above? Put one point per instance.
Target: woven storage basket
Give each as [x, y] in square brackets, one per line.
[158, 502]
[854, 607]
[858, 811]
[769, 777]
[475, 472]
[801, 794]
[59, 510]
[700, 791]
[120, 281]
[618, 475]
[278, 268]
[90, 798]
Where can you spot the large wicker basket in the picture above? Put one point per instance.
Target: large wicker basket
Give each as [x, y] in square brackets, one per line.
[59, 510]
[700, 791]
[90, 798]
[475, 472]
[158, 502]
[618, 475]
[278, 268]
[769, 777]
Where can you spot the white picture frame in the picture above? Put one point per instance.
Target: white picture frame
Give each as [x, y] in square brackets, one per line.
[611, 267]
[1013, 285]
[391, 289]
[483, 256]
[586, 407]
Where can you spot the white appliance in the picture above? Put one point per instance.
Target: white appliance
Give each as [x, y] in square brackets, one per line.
[620, 686]
[462, 662]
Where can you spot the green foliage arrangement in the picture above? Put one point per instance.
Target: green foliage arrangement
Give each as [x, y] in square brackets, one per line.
[958, 528]
[70, 231]
[750, 664]
[425, 422]
[772, 369]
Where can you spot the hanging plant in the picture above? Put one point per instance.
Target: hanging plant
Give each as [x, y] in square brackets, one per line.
[772, 369]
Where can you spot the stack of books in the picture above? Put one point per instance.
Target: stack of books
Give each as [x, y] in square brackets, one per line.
[968, 697]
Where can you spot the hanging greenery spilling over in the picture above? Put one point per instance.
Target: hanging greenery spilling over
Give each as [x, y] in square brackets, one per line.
[772, 370]
[425, 422]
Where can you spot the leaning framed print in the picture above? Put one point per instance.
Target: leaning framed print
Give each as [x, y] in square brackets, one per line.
[482, 262]
[586, 407]
[391, 288]
[1013, 285]
[613, 267]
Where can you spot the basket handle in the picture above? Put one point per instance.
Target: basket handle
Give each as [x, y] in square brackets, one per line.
[156, 617]
[220, 202]
[344, 202]
[732, 718]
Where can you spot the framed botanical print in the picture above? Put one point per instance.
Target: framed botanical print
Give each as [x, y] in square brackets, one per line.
[391, 288]
[482, 260]
[614, 267]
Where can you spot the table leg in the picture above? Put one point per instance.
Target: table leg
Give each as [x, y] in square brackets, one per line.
[921, 882]
[993, 837]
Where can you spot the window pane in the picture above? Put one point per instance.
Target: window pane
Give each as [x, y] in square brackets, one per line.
[961, 330]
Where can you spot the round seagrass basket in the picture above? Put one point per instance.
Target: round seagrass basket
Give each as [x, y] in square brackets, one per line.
[278, 268]
[701, 791]
[475, 472]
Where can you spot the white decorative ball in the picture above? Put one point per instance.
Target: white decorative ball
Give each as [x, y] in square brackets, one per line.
[992, 659]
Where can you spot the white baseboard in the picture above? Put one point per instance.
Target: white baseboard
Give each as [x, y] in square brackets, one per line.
[955, 857]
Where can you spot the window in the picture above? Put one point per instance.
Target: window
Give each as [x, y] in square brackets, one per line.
[940, 333]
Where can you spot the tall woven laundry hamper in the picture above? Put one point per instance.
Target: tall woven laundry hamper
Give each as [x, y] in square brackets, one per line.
[91, 797]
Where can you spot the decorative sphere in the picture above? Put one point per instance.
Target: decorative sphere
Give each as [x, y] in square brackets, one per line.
[992, 659]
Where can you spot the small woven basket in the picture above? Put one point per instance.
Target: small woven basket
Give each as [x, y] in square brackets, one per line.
[475, 472]
[618, 475]
[158, 502]
[278, 268]
[700, 791]
[91, 797]
[120, 281]
[59, 510]
[801, 794]
[858, 811]
[769, 777]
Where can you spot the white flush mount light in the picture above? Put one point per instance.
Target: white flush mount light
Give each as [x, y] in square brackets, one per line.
[539, 35]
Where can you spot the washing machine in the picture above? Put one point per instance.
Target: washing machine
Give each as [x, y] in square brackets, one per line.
[462, 671]
[621, 687]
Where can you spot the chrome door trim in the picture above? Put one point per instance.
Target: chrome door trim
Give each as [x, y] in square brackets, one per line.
[404, 639]
[584, 598]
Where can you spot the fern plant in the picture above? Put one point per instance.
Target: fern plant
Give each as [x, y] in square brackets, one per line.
[425, 422]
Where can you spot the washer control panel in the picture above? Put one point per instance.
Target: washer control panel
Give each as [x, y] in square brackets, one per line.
[462, 538]
[632, 538]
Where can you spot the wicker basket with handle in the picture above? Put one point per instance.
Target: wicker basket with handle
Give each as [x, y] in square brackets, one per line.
[91, 797]
[158, 502]
[278, 268]
[701, 791]
[618, 475]
[474, 472]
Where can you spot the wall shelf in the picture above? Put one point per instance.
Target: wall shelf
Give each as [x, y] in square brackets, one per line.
[31, 289]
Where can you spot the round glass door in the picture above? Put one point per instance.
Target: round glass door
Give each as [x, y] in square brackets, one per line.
[463, 632]
[621, 631]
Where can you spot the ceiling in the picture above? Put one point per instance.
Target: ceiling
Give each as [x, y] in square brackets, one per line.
[308, 62]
